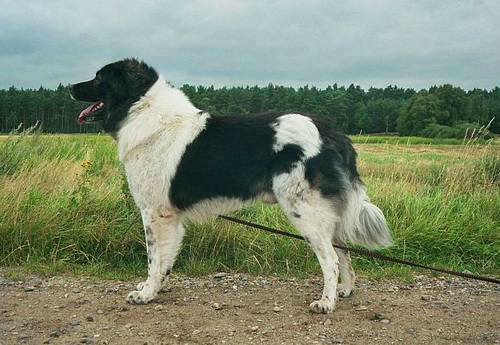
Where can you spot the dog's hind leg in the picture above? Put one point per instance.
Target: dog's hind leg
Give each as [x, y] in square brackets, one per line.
[164, 233]
[347, 275]
[316, 219]
[316, 226]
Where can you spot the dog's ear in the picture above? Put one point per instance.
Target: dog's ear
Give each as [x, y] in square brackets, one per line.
[119, 83]
[137, 76]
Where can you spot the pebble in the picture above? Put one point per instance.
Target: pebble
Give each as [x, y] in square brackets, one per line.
[29, 288]
[55, 334]
[379, 317]
[89, 318]
[217, 306]
[277, 309]
[338, 341]
[362, 308]
[327, 323]
[220, 276]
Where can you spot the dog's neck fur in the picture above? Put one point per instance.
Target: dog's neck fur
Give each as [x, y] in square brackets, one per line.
[163, 99]
[163, 110]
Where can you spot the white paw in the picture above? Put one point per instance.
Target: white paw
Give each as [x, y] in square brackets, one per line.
[322, 306]
[345, 291]
[141, 285]
[140, 297]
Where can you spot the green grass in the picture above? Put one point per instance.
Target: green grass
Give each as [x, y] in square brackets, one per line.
[65, 207]
[395, 140]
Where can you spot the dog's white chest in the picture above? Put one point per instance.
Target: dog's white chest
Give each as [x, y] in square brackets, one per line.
[151, 161]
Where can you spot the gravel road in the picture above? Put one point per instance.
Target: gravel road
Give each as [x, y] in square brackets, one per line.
[243, 309]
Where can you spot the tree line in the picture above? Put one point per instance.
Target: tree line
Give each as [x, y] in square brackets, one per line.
[440, 111]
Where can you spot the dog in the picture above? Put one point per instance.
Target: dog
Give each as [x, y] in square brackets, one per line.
[183, 163]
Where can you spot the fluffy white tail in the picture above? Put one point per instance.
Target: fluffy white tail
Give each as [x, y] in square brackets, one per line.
[364, 223]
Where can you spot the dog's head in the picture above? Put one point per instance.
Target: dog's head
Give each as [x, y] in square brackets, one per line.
[113, 91]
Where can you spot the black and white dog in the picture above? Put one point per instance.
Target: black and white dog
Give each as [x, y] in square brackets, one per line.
[184, 163]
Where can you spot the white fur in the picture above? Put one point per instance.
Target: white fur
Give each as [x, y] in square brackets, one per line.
[299, 130]
[164, 233]
[364, 222]
[164, 121]
[210, 207]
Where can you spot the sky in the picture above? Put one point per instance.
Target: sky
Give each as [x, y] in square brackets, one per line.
[372, 43]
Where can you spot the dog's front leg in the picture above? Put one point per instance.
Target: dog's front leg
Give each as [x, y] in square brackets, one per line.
[164, 234]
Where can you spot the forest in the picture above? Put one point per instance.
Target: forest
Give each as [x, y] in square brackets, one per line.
[444, 111]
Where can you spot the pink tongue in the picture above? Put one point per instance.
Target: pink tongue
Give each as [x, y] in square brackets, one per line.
[85, 112]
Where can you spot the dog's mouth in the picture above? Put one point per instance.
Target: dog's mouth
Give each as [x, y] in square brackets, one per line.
[93, 113]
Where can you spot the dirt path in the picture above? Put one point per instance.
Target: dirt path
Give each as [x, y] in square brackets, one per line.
[240, 309]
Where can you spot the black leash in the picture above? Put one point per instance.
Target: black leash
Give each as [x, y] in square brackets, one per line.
[364, 252]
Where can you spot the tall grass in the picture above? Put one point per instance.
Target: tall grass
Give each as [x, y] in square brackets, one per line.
[396, 140]
[64, 204]
[442, 203]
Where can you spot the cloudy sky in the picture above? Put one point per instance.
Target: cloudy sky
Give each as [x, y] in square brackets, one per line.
[409, 43]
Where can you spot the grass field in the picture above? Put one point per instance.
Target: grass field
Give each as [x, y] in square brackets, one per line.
[64, 206]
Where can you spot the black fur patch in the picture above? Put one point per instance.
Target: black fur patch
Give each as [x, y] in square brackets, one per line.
[233, 157]
[150, 240]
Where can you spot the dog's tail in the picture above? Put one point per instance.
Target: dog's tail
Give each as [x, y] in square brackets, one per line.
[364, 223]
